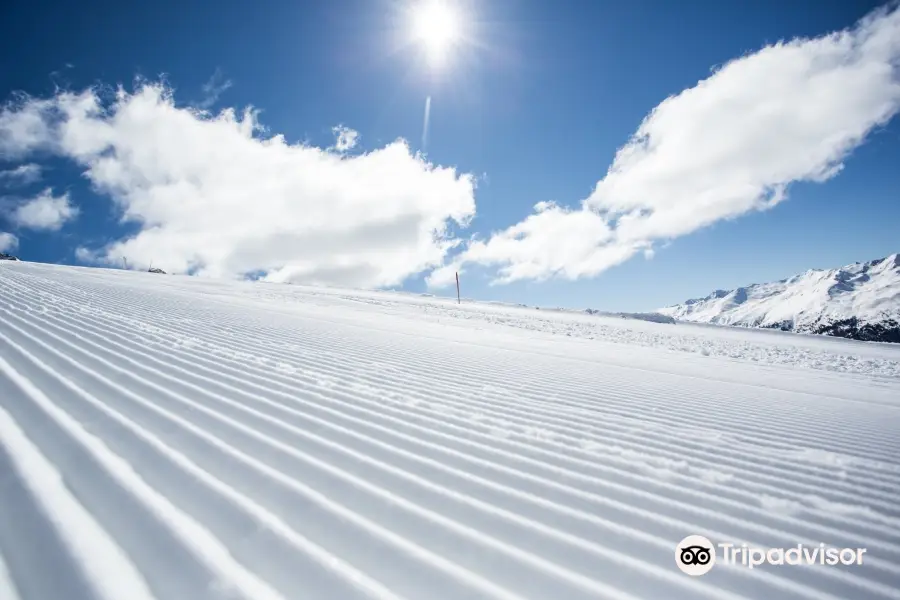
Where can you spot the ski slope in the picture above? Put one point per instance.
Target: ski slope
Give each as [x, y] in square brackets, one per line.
[176, 438]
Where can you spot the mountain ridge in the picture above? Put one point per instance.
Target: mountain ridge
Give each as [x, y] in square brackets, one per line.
[857, 301]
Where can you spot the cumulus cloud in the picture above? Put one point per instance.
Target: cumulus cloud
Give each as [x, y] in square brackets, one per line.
[21, 175]
[45, 211]
[8, 242]
[554, 240]
[24, 127]
[215, 196]
[727, 146]
[345, 138]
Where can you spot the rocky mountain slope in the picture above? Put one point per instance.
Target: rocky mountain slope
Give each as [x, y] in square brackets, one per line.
[859, 301]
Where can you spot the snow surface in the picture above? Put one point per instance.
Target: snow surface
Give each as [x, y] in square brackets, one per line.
[172, 437]
[869, 292]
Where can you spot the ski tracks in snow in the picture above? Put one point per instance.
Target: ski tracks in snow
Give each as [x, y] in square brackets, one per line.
[158, 443]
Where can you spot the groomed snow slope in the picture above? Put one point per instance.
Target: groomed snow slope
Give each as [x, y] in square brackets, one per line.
[171, 437]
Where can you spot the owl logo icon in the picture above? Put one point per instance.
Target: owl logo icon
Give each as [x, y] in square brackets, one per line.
[695, 555]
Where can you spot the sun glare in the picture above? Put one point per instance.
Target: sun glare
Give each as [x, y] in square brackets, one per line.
[436, 25]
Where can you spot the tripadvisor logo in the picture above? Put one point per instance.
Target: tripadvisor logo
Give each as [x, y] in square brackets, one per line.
[696, 555]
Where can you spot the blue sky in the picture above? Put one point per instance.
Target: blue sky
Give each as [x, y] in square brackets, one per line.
[534, 103]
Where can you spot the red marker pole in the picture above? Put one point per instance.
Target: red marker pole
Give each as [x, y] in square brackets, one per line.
[457, 288]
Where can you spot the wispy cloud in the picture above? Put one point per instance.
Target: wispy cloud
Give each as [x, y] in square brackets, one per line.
[8, 242]
[44, 212]
[732, 144]
[345, 138]
[213, 88]
[21, 175]
[213, 195]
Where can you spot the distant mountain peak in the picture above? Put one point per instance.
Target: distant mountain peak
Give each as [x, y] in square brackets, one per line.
[860, 301]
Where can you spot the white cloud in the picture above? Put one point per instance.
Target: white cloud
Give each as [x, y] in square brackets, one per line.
[215, 195]
[213, 88]
[21, 175]
[212, 195]
[552, 241]
[8, 242]
[24, 127]
[727, 146]
[345, 138]
[45, 211]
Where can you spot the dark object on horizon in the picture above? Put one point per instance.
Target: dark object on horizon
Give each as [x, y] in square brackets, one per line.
[4, 256]
[156, 270]
[652, 316]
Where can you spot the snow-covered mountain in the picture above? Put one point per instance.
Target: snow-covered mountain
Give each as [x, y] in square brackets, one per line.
[858, 301]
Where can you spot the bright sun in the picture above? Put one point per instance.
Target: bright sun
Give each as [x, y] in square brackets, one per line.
[436, 25]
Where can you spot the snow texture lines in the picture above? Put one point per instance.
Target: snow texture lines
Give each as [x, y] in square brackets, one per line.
[170, 437]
